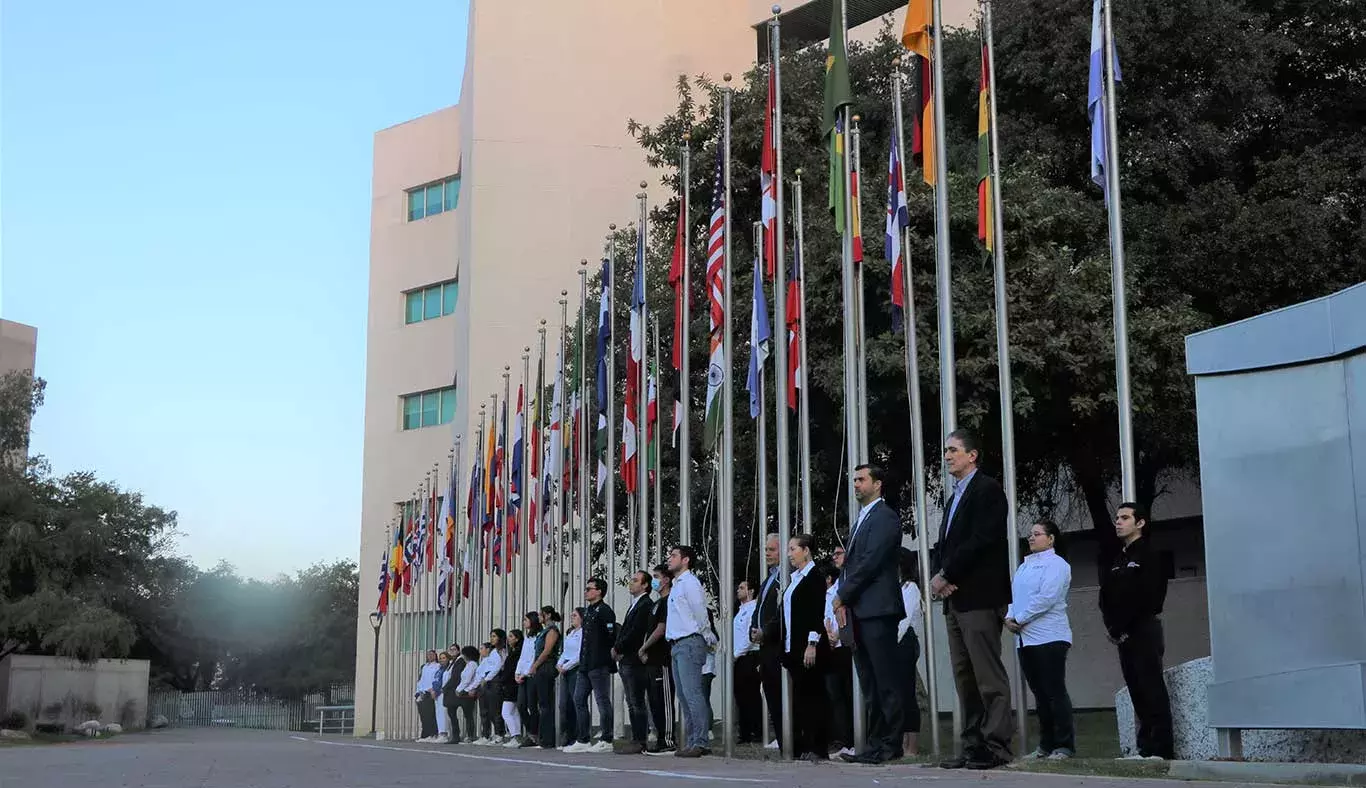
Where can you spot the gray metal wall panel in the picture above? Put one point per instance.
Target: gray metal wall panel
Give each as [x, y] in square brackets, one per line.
[1319, 329]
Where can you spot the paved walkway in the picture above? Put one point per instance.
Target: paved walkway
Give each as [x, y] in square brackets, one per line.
[257, 759]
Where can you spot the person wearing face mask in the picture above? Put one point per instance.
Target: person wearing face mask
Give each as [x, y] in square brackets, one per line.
[635, 627]
[655, 655]
[1038, 617]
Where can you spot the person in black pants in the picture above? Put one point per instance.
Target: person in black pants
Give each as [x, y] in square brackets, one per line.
[748, 708]
[1038, 617]
[465, 697]
[1131, 597]
[869, 592]
[806, 652]
[655, 656]
[764, 631]
[635, 627]
[595, 669]
[839, 678]
[543, 675]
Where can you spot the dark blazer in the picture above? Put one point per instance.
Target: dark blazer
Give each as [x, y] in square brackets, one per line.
[635, 627]
[808, 615]
[973, 551]
[870, 584]
[767, 610]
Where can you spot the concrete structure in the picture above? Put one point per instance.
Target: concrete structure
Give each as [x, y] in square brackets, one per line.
[1281, 409]
[70, 692]
[545, 163]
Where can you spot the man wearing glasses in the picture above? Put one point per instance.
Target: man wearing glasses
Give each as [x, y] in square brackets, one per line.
[595, 669]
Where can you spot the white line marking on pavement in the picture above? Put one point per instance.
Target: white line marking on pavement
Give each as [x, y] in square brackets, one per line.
[531, 762]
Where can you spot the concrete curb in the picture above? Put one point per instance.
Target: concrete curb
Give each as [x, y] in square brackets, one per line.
[1314, 773]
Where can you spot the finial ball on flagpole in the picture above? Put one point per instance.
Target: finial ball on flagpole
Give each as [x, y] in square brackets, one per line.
[643, 184]
[858, 118]
[896, 61]
[725, 77]
[799, 172]
[687, 135]
[777, 9]
[584, 262]
[612, 226]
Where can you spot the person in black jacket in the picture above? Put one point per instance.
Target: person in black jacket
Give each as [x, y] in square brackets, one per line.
[595, 668]
[869, 591]
[1131, 597]
[635, 627]
[973, 559]
[806, 651]
[764, 631]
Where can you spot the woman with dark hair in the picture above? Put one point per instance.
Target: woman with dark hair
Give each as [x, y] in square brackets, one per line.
[542, 681]
[424, 694]
[508, 678]
[491, 694]
[567, 666]
[908, 650]
[1038, 617]
[806, 651]
[465, 694]
[526, 692]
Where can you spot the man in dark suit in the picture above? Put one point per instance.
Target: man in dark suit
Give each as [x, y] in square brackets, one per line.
[635, 627]
[973, 577]
[764, 631]
[871, 595]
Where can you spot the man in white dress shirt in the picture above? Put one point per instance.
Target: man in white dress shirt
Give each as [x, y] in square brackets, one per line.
[688, 634]
[747, 704]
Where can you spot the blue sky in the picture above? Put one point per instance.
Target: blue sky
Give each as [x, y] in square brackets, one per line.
[184, 215]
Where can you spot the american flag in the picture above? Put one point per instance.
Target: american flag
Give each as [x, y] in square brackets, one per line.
[716, 372]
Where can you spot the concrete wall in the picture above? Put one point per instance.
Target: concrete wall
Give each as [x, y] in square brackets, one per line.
[54, 689]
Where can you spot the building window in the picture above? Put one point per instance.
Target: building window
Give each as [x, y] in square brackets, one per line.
[433, 198]
[429, 408]
[430, 302]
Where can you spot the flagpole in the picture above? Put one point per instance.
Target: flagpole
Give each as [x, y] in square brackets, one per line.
[480, 506]
[448, 627]
[803, 406]
[1128, 484]
[430, 607]
[860, 324]
[761, 438]
[1003, 349]
[619, 724]
[642, 396]
[534, 487]
[523, 491]
[585, 500]
[948, 397]
[684, 401]
[658, 446]
[851, 394]
[725, 504]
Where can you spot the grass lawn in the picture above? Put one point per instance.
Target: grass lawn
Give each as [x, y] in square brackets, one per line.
[42, 738]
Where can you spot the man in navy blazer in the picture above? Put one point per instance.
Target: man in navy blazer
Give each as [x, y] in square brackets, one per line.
[871, 596]
[973, 578]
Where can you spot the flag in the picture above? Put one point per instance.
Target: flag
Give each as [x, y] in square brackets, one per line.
[398, 564]
[855, 215]
[446, 539]
[837, 95]
[984, 209]
[716, 373]
[382, 604]
[470, 530]
[535, 501]
[794, 317]
[631, 430]
[759, 337]
[515, 468]
[1096, 98]
[429, 511]
[917, 36]
[555, 449]
[652, 420]
[898, 218]
[768, 177]
[499, 510]
[680, 309]
[604, 347]
[411, 555]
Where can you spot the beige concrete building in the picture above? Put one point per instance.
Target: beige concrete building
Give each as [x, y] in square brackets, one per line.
[18, 350]
[527, 171]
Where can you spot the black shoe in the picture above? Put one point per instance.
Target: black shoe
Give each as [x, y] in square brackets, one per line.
[866, 758]
[815, 757]
[628, 748]
[982, 763]
[689, 752]
[956, 762]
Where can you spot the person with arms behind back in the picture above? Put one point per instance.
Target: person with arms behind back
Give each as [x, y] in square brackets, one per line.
[1038, 617]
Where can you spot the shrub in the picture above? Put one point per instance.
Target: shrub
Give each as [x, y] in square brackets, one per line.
[14, 721]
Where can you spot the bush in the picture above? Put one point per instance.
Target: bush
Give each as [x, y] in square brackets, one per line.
[55, 728]
[14, 721]
[92, 709]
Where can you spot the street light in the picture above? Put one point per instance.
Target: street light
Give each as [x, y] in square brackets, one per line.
[376, 620]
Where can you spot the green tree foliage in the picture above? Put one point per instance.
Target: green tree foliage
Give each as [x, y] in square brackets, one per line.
[88, 570]
[1244, 188]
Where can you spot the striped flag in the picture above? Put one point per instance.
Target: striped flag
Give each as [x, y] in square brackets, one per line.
[515, 472]
[382, 604]
[984, 209]
[445, 528]
[716, 372]
[898, 218]
[604, 440]
[917, 37]
[1096, 98]
[680, 312]
[794, 317]
[768, 179]
[759, 336]
[630, 429]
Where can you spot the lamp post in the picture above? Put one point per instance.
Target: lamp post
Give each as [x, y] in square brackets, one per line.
[376, 621]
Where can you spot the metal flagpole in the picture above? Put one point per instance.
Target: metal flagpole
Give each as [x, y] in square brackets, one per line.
[761, 466]
[684, 400]
[382, 657]
[948, 396]
[851, 394]
[610, 520]
[477, 611]
[1003, 351]
[658, 446]
[523, 486]
[912, 364]
[803, 406]
[1128, 485]
[642, 395]
[534, 487]
[500, 514]
[429, 585]
[448, 561]
[725, 502]
[585, 500]
[560, 519]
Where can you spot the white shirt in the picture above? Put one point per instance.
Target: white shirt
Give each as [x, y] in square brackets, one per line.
[687, 608]
[528, 656]
[573, 645]
[1040, 593]
[831, 620]
[793, 580]
[467, 678]
[489, 667]
[910, 598]
[862, 513]
[739, 629]
[427, 677]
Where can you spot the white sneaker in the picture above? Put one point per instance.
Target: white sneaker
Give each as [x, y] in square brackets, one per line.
[1134, 757]
[846, 751]
[1059, 755]
[512, 742]
[1034, 756]
[578, 747]
[773, 745]
[602, 747]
